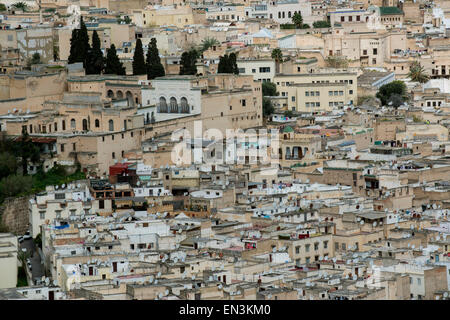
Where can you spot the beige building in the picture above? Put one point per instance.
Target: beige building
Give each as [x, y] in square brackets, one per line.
[8, 260]
[168, 16]
[317, 92]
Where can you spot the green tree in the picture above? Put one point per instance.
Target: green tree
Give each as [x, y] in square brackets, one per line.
[36, 58]
[268, 108]
[20, 6]
[154, 65]
[208, 43]
[297, 19]
[227, 64]
[95, 61]
[139, 66]
[8, 164]
[2, 7]
[113, 64]
[233, 63]
[288, 113]
[13, 185]
[79, 45]
[269, 89]
[74, 50]
[223, 65]
[321, 24]
[38, 241]
[417, 73]
[395, 100]
[277, 55]
[188, 62]
[27, 151]
[386, 91]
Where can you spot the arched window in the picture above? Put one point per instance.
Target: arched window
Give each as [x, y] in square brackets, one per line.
[184, 105]
[110, 94]
[162, 104]
[124, 124]
[129, 96]
[173, 105]
[119, 94]
[111, 125]
[97, 123]
[73, 124]
[64, 125]
[85, 125]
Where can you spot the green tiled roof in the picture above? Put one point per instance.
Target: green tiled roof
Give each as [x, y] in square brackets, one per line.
[390, 10]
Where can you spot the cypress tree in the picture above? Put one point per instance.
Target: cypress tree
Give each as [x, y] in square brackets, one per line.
[233, 68]
[222, 64]
[184, 63]
[73, 56]
[113, 64]
[139, 66]
[227, 64]
[188, 60]
[79, 45]
[95, 61]
[154, 66]
[83, 39]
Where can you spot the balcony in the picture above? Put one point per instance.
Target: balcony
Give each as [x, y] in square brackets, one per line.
[173, 108]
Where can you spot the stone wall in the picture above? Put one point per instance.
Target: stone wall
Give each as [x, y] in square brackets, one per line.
[14, 214]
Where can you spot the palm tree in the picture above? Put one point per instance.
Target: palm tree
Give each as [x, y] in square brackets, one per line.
[208, 43]
[417, 73]
[20, 5]
[277, 55]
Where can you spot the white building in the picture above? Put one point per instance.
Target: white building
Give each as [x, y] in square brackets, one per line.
[261, 69]
[8, 260]
[72, 200]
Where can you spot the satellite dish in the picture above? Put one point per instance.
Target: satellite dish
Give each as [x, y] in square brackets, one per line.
[220, 286]
[166, 292]
[374, 223]
[159, 274]
[362, 222]
[355, 278]
[160, 295]
[193, 277]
